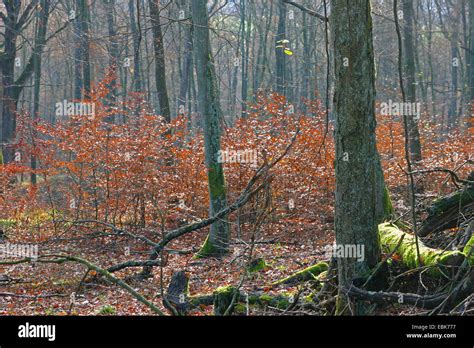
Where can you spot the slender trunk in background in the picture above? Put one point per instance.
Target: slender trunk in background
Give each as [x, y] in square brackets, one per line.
[113, 55]
[85, 42]
[187, 69]
[281, 69]
[430, 61]
[136, 39]
[77, 33]
[40, 38]
[455, 62]
[217, 243]
[413, 132]
[160, 68]
[244, 50]
[470, 121]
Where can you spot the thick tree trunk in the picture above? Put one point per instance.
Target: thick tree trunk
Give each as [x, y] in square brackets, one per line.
[358, 173]
[217, 242]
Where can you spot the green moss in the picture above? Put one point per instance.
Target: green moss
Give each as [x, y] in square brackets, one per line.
[107, 309]
[306, 274]
[240, 308]
[322, 276]
[216, 181]
[280, 301]
[460, 198]
[388, 210]
[223, 299]
[257, 265]
[390, 236]
[207, 250]
[469, 250]
[283, 303]
[265, 299]
[7, 223]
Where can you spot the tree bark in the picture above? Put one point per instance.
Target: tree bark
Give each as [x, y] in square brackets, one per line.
[357, 165]
[471, 65]
[14, 21]
[281, 70]
[413, 132]
[217, 243]
[160, 68]
[40, 39]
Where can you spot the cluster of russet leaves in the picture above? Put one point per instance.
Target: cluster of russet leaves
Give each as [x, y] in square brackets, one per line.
[146, 173]
[440, 149]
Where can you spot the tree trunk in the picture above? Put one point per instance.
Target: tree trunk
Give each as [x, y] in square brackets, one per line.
[160, 68]
[187, 69]
[114, 55]
[357, 165]
[40, 39]
[471, 65]
[136, 38]
[14, 21]
[281, 70]
[85, 46]
[413, 133]
[453, 95]
[217, 243]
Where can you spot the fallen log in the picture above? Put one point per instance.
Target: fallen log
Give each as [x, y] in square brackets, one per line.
[221, 298]
[438, 260]
[444, 212]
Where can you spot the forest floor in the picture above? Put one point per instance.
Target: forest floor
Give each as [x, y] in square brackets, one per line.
[284, 253]
[45, 289]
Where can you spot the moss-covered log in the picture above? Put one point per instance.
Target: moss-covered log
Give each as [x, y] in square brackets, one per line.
[438, 259]
[222, 298]
[309, 273]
